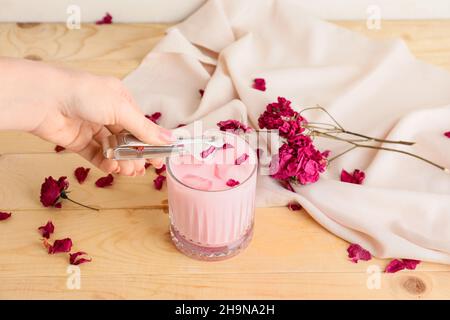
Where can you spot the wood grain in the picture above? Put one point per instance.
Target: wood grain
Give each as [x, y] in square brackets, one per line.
[290, 257]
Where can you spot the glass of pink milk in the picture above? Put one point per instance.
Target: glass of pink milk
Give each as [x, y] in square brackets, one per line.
[212, 199]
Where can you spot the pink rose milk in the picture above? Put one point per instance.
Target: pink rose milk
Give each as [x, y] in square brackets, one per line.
[211, 217]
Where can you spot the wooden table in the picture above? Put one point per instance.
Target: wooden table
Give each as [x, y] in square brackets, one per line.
[290, 257]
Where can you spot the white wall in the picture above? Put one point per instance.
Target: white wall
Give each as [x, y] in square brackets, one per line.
[175, 10]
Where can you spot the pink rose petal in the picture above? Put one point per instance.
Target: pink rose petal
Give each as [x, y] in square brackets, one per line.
[232, 183]
[207, 152]
[357, 177]
[158, 182]
[154, 117]
[356, 253]
[107, 19]
[259, 84]
[63, 245]
[160, 170]
[394, 266]
[447, 134]
[241, 159]
[59, 148]
[410, 264]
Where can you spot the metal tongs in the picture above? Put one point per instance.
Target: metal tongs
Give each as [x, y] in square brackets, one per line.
[125, 146]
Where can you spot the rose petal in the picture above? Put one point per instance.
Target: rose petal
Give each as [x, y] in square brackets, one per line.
[447, 134]
[207, 152]
[59, 148]
[47, 230]
[158, 182]
[232, 183]
[227, 146]
[294, 206]
[201, 92]
[5, 215]
[356, 253]
[394, 266]
[259, 84]
[147, 164]
[241, 159]
[357, 177]
[154, 117]
[107, 19]
[105, 181]
[160, 170]
[410, 264]
[181, 125]
[81, 174]
[63, 245]
[233, 126]
[75, 260]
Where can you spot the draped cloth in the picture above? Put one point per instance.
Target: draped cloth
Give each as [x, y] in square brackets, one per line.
[372, 87]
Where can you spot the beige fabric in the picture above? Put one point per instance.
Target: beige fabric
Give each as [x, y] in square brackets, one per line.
[376, 88]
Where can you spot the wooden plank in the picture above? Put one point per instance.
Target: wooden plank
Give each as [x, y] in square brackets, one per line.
[137, 242]
[420, 285]
[23, 174]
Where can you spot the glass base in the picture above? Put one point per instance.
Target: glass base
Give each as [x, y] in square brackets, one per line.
[210, 253]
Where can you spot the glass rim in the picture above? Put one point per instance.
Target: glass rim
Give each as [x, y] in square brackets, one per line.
[255, 167]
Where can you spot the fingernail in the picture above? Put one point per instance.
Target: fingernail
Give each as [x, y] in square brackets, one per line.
[166, 135]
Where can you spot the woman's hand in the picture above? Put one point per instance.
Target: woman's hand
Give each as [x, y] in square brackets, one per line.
[75, 110]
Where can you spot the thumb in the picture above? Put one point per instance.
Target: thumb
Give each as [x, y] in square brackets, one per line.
[135, 122]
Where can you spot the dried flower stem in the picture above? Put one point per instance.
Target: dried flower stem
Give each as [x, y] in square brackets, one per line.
[64, 196]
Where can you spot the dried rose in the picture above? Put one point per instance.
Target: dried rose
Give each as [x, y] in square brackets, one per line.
[357, 177]
[5, 215]
[107, 19]
[232, 183]
[147, 164]
[81, 174]
[75, 258]
[259, 84]
[241, 159]
[207, 152]
[394, 266]
[233, 126]
[154, 117]
[201, 92]
[52, 190]
[105, 181]
[447, 134]
[356, 253]
[63, 245]
[227, 146]
[294, 206]
[160, 170]
[47, 230]
[158, 182]
[59, 148]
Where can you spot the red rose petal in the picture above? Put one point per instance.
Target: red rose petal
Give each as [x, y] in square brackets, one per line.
[232, 183]
[326, 153]
[181, 125]
[241, 159]
[158, 182]
[47, 230]
[294, 206]
[59, 148]
[201, 92]
[410, 264]
[5, 215]
[63, 245]
[394, 266]
[160, 170]
[107, 19]
[75, 260]
[356, 253]
[357, 177]
[259, 84]
[105, 181]
[447, 134]
[81, 174]
[154, 117]
[207, 152]
[147, 164]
